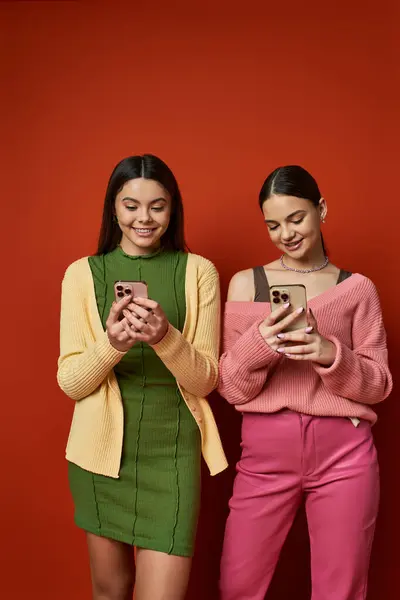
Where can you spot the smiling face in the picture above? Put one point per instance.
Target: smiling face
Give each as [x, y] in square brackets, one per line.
[143, 211]
[294, 225]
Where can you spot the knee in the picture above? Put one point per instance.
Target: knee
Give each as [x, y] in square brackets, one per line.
[113, 587]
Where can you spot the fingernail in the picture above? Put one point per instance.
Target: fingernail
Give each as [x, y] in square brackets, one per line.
[309, 329]
[281, 350]
[281, 336]
[286, 305]
[300, 310]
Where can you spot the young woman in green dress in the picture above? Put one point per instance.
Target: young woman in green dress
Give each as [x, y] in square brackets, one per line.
[138, 370]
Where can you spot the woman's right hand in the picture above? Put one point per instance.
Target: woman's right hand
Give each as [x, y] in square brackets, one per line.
[270, 328]
[117, 335]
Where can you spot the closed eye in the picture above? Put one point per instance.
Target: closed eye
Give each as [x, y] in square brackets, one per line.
[273, 227]
[155, 208]
[299, 221]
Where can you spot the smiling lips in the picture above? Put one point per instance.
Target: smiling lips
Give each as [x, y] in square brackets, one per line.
[143, 232]
[294, 245]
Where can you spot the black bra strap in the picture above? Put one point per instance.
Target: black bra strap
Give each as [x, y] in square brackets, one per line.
[343, 275]
[261, 285]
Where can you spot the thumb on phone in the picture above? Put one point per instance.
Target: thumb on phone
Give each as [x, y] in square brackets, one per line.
[312, 321]
[116, 309]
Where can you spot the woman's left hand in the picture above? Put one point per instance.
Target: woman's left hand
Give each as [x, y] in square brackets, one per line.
[311, 344]
[145, 321]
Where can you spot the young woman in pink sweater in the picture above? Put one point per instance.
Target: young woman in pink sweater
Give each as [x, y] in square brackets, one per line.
[306, 399]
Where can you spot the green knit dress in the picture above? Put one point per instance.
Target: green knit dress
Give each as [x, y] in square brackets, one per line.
[154, 503]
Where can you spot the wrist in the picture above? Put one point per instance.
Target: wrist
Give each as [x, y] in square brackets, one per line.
[161, 336]
[119, 346]
[328, 354]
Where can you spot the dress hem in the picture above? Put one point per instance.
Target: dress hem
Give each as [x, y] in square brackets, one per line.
[136, 541]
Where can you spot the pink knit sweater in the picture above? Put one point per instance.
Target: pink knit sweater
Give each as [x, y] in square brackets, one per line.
[256, 379]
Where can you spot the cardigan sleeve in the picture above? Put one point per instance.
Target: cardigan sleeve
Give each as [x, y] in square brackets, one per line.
[82, 367]
[246, 360]
[195, 364]
[361, 373]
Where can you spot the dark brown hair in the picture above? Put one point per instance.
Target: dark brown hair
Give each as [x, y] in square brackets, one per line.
[291, 180]
[148, 167]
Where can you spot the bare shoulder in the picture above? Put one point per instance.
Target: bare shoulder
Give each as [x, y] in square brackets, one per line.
[241, 287]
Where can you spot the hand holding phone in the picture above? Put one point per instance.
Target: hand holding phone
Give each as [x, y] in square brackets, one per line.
[292, 330]
[134, 289]
[288, 313]
[276, 322]
[296, 296]
[145, 320]
[117, 335]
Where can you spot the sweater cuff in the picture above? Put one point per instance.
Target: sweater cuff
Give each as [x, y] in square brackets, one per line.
[253, 352]
[106, 352]
[341, 367]
[169, 342]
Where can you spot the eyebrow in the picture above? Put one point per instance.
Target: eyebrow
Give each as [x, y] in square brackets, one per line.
[161, 199]
[293, 214]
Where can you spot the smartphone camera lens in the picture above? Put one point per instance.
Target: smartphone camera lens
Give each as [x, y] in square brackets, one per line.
[127, 291]
[120, 294]
[276, 300]
[285, 297]
[275, 293]
[119, 288]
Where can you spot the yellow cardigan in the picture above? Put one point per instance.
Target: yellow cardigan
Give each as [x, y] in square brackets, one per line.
[85, 367]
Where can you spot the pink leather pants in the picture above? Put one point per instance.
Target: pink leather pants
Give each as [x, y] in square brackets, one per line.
[334, 465]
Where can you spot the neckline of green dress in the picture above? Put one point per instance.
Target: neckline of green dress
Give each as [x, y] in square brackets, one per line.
[119, 250]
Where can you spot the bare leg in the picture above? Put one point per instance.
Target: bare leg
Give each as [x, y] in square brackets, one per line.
[112, 568]
[161, 576]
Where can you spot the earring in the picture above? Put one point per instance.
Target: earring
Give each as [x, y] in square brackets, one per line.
[115, 219]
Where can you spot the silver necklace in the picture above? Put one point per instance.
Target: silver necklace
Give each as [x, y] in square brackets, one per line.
[324, 264]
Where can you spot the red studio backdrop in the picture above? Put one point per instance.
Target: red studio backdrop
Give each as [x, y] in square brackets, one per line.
[223, 94]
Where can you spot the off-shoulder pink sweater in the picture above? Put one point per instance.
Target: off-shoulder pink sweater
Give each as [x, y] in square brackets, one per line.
[256, 379]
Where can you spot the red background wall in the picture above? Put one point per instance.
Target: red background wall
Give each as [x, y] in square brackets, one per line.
[224, 96]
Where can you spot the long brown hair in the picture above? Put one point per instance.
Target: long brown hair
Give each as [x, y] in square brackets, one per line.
[147, 166]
